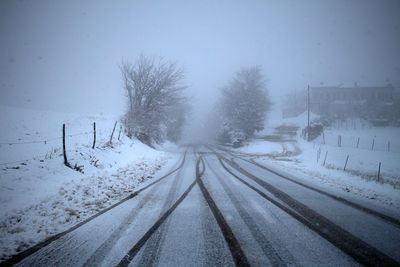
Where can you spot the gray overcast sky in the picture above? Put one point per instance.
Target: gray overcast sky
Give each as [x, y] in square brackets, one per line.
[64, 55]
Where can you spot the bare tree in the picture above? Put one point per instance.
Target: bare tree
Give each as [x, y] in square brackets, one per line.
[153, 88]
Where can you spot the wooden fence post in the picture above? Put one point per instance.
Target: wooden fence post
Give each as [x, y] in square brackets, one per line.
[339, 140]
[358, 142]
[113, 132]
[119, 134]
[94, 135]
[323, 137]
[319, 153]
[373, 143]
[379, 171]
[326, 154]
[347, 159]
[65, 153]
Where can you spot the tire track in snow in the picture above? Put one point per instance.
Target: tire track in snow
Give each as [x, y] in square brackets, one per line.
[217, 252]
[156, 234]
[238, 201]
[348, 243]
[377, 214]
[126, 260]
[237, 253]
[387, 218]
[102, 251]
[216, 248]
[30, 251]
[150, 255]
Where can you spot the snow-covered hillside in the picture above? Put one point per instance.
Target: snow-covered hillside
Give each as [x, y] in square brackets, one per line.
[40, 196]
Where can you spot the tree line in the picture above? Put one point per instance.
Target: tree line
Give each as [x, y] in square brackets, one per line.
[157, 108]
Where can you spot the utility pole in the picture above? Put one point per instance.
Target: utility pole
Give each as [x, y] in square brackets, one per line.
[308, 113]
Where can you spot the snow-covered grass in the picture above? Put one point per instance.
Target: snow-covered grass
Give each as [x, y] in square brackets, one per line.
[375, 145]
[378, 137]
[40, 196]
[261, 147]
[360, 177]
[334, 180]
[362, 163]
[363, 160]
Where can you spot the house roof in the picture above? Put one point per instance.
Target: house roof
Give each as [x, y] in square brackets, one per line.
[364, 84]
[354, 85]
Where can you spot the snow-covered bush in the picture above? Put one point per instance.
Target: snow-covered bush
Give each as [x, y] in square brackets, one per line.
[313, 131]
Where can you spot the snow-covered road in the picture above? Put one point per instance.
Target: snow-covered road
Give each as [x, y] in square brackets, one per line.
[221, 210]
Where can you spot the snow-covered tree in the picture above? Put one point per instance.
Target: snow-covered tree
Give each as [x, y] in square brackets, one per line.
[154, 90]
[244, 105]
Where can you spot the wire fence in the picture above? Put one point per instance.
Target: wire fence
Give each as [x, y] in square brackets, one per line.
[357, 142]
[37, 157]
[380, 169]
[45, 141]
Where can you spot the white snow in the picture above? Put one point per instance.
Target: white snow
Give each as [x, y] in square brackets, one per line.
[300, 120]
[360, 178]
[276, 119]
[40, 196]
[379, 137]
[261, 147]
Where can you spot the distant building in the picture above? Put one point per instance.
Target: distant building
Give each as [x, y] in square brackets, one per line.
[374, 102]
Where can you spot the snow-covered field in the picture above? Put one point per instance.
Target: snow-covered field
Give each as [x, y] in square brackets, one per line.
[385, 139]
[306, 159]
[300, 159]
[40, 196]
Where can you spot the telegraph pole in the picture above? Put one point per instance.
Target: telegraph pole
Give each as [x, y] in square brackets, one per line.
[308, 113]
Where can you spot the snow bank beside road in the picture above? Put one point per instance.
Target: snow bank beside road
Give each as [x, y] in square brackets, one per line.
[261, 147]
[40, 196]
[359, 179]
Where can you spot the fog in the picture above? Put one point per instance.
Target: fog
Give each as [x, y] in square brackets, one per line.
[65, 55]
[200, 132]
